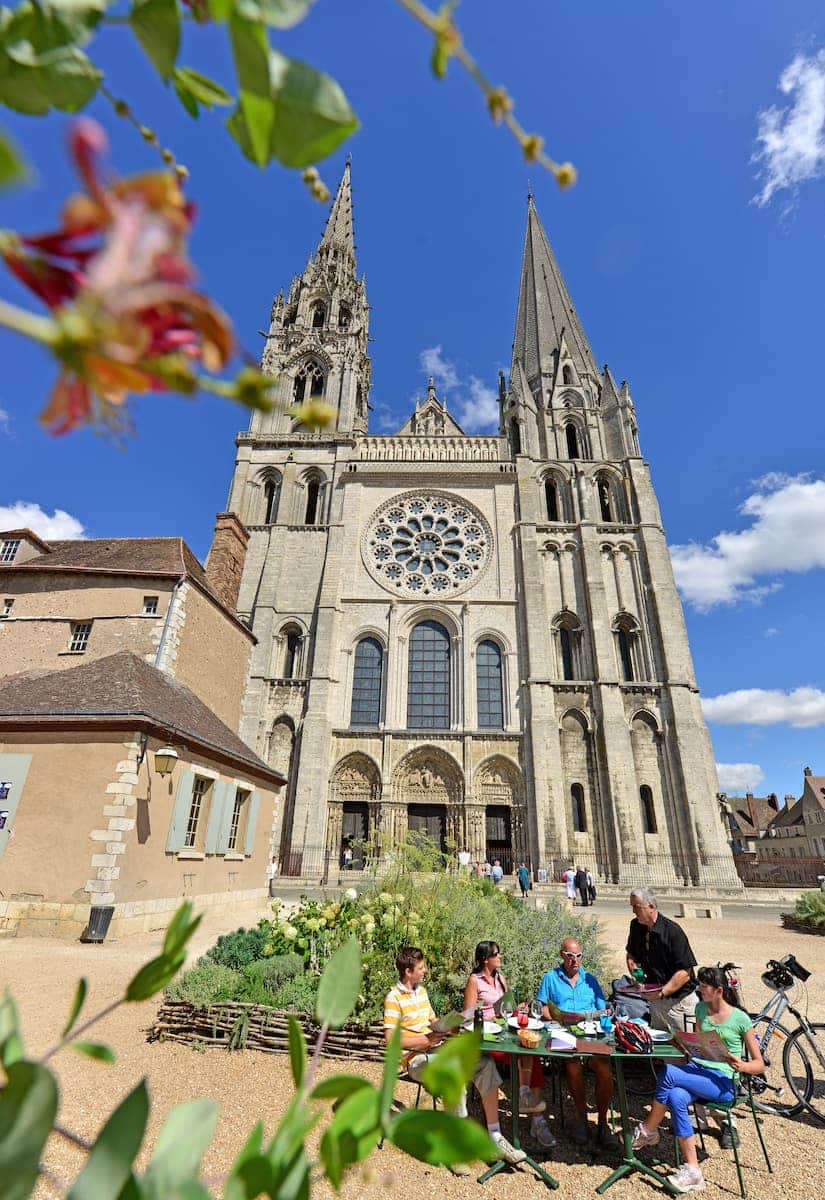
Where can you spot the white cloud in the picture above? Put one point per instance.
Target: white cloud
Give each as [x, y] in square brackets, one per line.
[739, 777]
[5, 422]
[61, 526]
[787, 534]
[770, 632]
[803, 707]
[476, 404]
[791, 140]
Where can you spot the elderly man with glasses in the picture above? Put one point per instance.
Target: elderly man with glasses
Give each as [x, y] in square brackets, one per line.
[578, 994]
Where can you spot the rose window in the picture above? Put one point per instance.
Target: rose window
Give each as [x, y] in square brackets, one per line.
[426, 544]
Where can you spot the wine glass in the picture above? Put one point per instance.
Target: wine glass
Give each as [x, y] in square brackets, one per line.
[535, 1009]
[507, 1008]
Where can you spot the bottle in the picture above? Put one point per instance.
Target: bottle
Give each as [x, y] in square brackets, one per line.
[639, 974]
[478, 1018]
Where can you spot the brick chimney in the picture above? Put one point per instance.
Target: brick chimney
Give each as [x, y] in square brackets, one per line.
[227, 554]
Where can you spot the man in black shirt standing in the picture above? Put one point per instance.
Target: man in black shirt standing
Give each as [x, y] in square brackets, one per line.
[660, 947]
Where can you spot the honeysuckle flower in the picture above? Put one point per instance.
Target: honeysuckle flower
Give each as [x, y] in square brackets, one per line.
[126, 318]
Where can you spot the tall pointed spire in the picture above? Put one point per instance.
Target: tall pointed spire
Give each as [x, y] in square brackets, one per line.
[339, 230]
[546, 317]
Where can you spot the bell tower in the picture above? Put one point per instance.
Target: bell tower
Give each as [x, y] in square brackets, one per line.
[317, 344]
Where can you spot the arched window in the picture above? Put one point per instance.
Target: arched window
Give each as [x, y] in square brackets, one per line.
[292, 652]
[566, 649]
[572, 436]
[366, 682]
[489, 694]
[568, 633]
[567, 373]
[309, 382]
[624, 638]
[344, 317]
[314, 508]
[648, 809]
[272, 496]
[428, 679]
[515, 438]
[319, 316]
[551, 497]
[579, 811]
[605, 500]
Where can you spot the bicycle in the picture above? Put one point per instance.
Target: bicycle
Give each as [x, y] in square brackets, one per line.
[803, 1048]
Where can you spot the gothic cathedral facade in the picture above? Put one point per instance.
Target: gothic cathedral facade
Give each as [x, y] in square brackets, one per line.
[475, 636]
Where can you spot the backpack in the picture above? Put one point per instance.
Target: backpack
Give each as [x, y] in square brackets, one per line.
[633, 1004]
[633, 1038]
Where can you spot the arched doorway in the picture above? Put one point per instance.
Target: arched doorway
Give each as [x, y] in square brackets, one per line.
[352, 816]
[499, 790]
[428, 796]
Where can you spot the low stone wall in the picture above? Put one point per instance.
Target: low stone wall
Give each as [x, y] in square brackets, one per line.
[234, 1025]
[38, 918]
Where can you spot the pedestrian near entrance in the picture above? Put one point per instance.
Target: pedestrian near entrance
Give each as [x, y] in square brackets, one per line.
[497, 873]
[523, 879]
[569, 880]
[591, 887]
[270, 876]
[581, 886]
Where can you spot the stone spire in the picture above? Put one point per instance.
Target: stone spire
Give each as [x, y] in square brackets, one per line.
[546, 318]
[339, 231]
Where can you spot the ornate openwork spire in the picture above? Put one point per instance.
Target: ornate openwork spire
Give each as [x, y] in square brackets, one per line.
[339, 230]
[545, 311]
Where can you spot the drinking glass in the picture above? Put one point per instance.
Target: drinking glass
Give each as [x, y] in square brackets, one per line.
[535, 1010]
[507, 1009]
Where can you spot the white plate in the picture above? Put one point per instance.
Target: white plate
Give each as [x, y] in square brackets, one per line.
[492, 1028]
[553, 1025]
[590, 1028]
[532, 1023]
[659, 1035]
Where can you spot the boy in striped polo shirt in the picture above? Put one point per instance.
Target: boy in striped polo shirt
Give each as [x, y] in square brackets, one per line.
[408, 1005]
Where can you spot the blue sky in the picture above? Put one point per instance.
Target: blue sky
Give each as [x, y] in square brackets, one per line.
[709, 303]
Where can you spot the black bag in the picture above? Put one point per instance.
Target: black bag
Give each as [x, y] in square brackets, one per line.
[632, 1003]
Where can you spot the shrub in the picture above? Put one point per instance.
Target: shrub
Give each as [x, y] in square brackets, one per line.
[298, 993]
[809, 913]
[274, 971]
[206, 983]
[240, 948]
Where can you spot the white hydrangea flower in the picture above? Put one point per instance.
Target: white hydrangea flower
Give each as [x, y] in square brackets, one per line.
[350, 894]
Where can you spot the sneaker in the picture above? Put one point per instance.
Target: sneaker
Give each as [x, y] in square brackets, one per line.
[540, 1132]
[460, 1169]
[687, 1179]
[530, 1103]
[643, 1137]
[506, 1150]
[580, 1133]
[729, 1138]
[607, 1140]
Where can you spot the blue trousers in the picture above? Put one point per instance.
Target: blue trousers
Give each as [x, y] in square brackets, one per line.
[680, 1086]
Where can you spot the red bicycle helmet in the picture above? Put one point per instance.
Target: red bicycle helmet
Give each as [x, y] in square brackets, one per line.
[633, 1038]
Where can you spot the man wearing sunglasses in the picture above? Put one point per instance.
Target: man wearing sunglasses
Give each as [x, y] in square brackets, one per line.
[578, 994]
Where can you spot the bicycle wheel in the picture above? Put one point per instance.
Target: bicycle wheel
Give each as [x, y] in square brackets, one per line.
[809, 1087]
[776, 1078]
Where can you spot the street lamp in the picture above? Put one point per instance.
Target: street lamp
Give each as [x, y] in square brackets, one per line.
[165, 760]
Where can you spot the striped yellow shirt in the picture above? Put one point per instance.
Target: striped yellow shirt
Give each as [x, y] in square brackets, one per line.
[411, 1009]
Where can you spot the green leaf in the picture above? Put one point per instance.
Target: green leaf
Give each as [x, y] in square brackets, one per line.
[452, 1068]
[96, 1050]
[250, 50]
[440, 1138]
[77, 1004]
[28, 1106]
[280, 14]
[109, 1165]
[194, 89]
[297, 1052]
[338, 1087]
[353, 1134]
[340, 985]
[221, 10]
[180, 928]
[312, 114]
[155, 975]
[156, 24]
[389, 1077]
[251, 1172]
[11, 1043]
[182, 1143]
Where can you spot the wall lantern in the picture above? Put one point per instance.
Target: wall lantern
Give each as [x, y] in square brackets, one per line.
[165, 760]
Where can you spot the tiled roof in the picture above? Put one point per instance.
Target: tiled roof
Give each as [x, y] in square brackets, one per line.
[763, 810]
[124, 685]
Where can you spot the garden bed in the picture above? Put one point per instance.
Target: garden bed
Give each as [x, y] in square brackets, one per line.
[238, 1026]
[792, 922]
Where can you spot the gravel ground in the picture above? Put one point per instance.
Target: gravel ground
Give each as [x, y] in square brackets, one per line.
[251, 1086]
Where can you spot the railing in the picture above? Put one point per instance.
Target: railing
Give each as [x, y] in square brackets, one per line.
[779, 872]
[433, 449]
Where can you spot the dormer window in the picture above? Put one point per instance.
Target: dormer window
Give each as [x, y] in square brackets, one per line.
[8, 549]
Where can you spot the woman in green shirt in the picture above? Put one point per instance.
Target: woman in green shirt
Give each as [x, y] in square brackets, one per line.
[679, 1086]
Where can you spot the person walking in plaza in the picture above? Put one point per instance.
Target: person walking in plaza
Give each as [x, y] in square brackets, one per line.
[591, 887]
[497, 873]
[661, 948]
[569, 880]
[486, 869]
[679, 1086]
[523, 875]
[581, 886]
[487, 986]
[408, 1005]
[579, 994]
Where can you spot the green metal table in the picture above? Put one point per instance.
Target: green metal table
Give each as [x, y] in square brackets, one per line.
[509, 1044]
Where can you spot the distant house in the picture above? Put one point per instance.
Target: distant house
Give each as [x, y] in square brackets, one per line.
[780, 845]
[798, 831]
[113, 650]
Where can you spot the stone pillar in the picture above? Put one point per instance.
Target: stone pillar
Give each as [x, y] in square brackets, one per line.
[227, 555]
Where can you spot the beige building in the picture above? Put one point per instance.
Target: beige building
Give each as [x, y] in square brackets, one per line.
[113, 650]
[475, 636]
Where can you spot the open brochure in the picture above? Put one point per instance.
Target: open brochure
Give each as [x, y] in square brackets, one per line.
[560, 1039]
[699, 1043]
[451, 1021]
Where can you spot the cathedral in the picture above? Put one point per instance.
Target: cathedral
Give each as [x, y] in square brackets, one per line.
[478, 637]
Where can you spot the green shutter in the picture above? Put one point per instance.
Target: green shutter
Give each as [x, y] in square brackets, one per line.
[180, 813]
[226, 822]
[217, 809]
[252, 821]
[13, 770]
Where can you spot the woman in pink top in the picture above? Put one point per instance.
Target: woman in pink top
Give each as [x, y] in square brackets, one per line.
[486, 986]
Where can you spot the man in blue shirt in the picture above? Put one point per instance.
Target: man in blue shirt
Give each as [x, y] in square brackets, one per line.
[576, 995]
